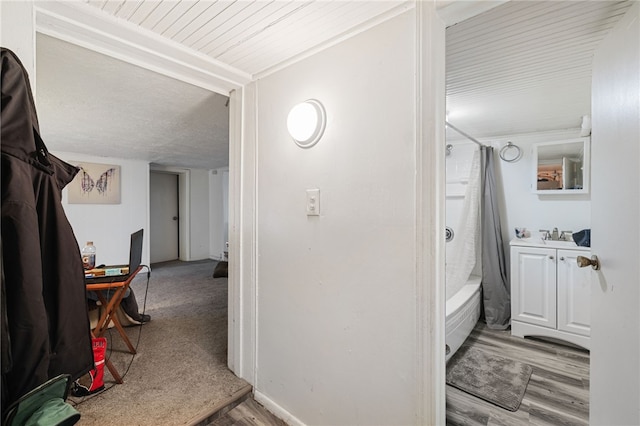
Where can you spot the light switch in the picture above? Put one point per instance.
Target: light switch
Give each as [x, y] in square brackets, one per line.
[313, 202]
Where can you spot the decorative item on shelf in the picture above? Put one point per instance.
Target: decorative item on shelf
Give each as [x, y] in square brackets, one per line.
[306, 123]
[521, 233]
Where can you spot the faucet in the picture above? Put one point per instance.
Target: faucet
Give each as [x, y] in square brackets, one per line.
[545, 234]
[554, 234]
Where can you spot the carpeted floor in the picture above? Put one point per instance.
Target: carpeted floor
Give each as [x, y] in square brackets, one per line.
[179, 372]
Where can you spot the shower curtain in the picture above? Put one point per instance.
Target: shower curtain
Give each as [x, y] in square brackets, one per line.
[465, 259]
[495, 287]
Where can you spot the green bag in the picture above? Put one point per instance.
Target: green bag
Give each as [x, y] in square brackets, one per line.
[44, 406]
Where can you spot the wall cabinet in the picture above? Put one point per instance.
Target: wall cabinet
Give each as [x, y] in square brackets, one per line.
[550, 294]
[561, 167]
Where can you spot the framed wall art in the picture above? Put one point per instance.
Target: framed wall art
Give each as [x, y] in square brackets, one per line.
[95, 183]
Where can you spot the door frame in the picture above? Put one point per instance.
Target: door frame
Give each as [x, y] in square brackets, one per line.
[86, 27]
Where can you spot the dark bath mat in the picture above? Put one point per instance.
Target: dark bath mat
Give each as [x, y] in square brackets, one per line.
[491, 377]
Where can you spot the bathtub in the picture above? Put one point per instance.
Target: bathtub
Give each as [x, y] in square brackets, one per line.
[463, 311]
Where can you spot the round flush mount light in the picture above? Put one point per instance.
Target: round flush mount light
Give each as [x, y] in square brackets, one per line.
[306, 122]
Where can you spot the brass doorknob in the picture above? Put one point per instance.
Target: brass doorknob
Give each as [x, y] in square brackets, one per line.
[585, 261]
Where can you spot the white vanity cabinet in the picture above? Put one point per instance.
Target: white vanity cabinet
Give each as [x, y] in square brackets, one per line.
[550, 294]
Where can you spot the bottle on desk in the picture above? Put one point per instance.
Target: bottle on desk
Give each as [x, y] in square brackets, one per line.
[89, 256]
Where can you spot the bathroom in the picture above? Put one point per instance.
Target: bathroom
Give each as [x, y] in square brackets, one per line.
[519, 103]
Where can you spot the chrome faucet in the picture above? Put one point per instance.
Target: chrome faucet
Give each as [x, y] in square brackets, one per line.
[545, 234]
[555, 235]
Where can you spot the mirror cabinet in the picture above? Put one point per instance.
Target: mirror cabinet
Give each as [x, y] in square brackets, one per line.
[561, 167]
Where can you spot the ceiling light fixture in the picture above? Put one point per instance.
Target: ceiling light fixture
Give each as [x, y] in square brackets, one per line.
[306, 123]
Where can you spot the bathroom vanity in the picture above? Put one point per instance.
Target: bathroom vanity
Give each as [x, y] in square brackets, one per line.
[550, 294]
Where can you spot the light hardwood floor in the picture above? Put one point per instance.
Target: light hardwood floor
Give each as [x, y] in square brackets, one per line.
[248, 413]
[557, 393]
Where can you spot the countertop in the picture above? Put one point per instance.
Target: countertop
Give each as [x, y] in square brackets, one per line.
[539, 242]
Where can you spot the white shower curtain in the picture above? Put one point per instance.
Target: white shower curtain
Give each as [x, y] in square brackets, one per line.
[465, 253]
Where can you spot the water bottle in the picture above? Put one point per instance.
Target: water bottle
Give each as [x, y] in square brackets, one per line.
[89, 256]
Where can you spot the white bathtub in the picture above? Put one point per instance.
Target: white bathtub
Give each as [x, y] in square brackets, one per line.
[463, 311]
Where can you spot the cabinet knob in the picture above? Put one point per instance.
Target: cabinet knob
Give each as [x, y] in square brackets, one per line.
[551, 257]
[585, 261]
[562, 258]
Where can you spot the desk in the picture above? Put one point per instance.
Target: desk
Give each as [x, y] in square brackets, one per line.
[118, 290]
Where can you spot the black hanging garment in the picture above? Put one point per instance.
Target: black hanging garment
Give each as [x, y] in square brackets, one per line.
[45, 321]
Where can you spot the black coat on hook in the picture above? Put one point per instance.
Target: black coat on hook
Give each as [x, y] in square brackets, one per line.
[45, 322]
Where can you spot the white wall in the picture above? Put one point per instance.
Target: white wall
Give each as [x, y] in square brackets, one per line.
[218, 212]
[109, 226]
[199, 220]
[17, 33]
[336, 293]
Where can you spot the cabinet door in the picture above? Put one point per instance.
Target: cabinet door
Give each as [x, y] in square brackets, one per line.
[533, 285]
[574, 293]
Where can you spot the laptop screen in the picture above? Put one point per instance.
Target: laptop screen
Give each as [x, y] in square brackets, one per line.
[135, 251]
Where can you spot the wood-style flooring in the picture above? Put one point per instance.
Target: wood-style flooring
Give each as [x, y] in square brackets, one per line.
[557, 393]
[248, 413]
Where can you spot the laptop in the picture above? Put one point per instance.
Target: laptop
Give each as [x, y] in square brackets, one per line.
[117, 273]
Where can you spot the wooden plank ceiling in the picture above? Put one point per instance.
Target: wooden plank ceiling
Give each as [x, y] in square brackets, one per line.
[519, 67]
[525, 66]
[248, 35]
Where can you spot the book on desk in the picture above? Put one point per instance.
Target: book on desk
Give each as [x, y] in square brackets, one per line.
[109, 271]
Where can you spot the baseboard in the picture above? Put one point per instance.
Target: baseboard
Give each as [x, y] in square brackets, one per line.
[277, 410]
[221, 408]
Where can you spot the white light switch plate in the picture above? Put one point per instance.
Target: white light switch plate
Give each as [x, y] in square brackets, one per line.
[313, 202]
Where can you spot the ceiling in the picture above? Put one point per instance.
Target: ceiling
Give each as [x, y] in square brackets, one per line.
[525, 66]
[90, 103]
[249, 36]
[522, 66]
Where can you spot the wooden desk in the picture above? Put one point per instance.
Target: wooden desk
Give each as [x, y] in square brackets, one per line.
[110, 306]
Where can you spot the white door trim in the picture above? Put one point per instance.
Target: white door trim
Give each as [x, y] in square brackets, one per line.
[430, 214]
[242, 234]
[86, 26]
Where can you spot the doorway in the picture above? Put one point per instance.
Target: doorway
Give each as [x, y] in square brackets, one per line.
[164, 215]
[485, 78]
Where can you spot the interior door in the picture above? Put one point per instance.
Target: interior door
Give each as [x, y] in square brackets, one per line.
[615, 226]
[164, 219]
